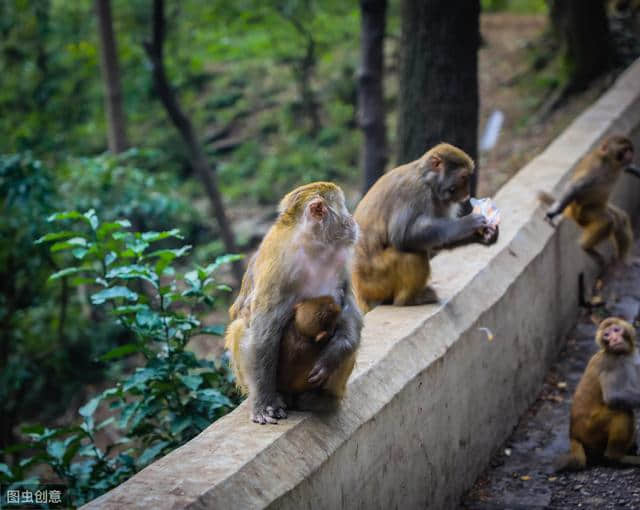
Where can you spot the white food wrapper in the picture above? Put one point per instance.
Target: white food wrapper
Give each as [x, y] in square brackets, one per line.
[488, 209]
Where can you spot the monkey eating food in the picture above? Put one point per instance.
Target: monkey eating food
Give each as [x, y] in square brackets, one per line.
[602, 423]
[586, 199]
[304, 255]
[406, 215]
[304, 339]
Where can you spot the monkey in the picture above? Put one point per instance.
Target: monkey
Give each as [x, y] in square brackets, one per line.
[305, 254]
[406, 215]
[586, 200]
[602, 424]
[304, 339]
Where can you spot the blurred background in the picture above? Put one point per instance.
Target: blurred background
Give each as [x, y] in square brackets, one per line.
[143, 142]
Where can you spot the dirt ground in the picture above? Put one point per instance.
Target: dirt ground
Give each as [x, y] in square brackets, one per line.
[520, 474]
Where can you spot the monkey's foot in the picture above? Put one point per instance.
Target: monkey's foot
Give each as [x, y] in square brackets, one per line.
[269, 413]
[426, 296]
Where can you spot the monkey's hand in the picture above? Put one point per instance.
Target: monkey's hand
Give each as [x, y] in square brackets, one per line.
[269, 411]
[490, 235]
[323, 368]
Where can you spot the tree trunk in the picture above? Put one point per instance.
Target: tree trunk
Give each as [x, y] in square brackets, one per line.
[438, 92]
[183, 124]
[582, 28]
[116, 122]
[371, 112]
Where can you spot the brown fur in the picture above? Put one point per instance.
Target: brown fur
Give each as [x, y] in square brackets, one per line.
[303, 342]
[391, 259]
[586, 200]
[601, 431]
[313, 222]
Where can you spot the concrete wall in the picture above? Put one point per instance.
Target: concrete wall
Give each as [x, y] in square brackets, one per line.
[431, 397]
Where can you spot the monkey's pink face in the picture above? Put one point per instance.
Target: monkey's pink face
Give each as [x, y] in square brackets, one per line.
[334, 220]
[613, 339]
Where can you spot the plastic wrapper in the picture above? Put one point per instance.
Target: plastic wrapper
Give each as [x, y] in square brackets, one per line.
[488, 209]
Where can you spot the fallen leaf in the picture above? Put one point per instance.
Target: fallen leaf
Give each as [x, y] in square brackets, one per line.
[552, 478]
[562, 385]
[525, 478]
[598, 284]
[597, 300]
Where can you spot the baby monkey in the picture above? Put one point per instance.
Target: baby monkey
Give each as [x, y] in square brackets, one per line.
[586, 199]
[313, 325]
[602, 423]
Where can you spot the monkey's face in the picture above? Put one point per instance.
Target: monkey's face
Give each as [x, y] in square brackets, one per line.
[454, 185]
[620, 149]
[331, 220]
[616, 336]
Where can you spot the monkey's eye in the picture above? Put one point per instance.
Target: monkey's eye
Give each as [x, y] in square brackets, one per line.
[617, 329]
[452, 189]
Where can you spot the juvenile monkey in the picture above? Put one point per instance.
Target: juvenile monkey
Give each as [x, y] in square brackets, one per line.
[602, 423]
[313, 324]
[407, 214]
[586, 200]
[304, 255]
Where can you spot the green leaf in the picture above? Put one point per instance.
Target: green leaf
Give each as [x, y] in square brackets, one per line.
[111, 226]
[89, 408]
[180, 424]
[119, 352]
[113, 293]
[67, 272]
[56, 449]
[79, 253]
[54, 236]
[109, 258]
[191, 381]
[134, 271]
[4, 469]
[151, 453]
[126, 309]
[91, 217]
[69, 244]
[68, 215]
[214, 329]
[214, 397]
[151, 237]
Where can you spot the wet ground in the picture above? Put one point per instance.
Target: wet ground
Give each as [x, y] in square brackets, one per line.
[520, 475]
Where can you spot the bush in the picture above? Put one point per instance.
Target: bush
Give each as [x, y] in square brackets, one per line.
[160, 405]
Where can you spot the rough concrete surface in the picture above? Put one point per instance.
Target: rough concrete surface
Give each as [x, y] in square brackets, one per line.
[430, 398]
[521, 475]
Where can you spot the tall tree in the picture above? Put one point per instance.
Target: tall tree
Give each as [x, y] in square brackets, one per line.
[371, 112]
[116, 121]
[582, 29]
[183, 124]
[438, 92]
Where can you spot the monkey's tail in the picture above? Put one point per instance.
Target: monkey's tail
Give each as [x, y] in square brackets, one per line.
[232, 342]
[546, 198]
[622, 232]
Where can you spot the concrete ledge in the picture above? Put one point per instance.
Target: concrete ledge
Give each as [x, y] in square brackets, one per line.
[431, 397]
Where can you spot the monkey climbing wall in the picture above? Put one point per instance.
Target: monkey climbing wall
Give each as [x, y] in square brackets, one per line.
[431, 395]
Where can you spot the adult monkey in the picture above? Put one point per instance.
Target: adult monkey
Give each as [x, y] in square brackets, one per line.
[406, 215]
[602, 421]
[304, 255]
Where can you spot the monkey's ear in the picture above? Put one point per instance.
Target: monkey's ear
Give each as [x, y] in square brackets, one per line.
[604, 147]
[435, 163]
[317, 209]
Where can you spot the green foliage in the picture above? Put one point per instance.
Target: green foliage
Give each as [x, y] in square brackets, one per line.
[519, 6]
[158, 406]
[45, 357]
